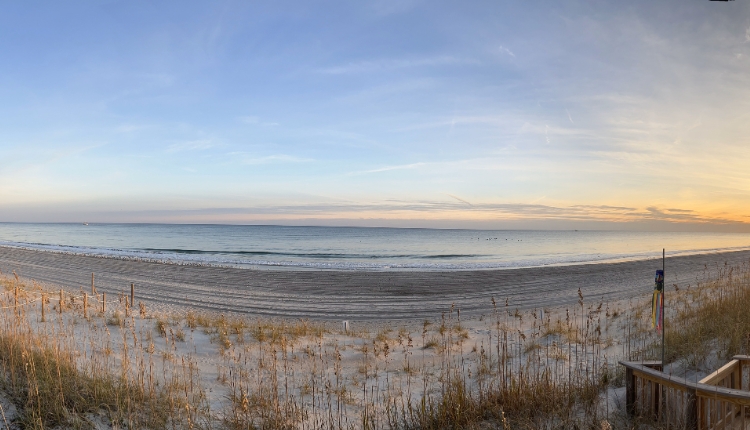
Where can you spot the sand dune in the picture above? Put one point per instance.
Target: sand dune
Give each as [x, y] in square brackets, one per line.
[355, 295]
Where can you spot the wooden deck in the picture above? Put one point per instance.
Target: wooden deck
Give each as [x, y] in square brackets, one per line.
[721, 400]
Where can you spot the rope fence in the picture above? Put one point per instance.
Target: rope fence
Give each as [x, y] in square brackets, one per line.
[49, 296]
[21, 304]
[58, 299]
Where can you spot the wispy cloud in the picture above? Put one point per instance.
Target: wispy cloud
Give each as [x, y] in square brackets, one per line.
[246, 158]
[507, 51]
[394, 64]
[507, 211]
[252, 119]
[460, 199]
[378, 92]
[660, 108]
[129, 128]
[389, 168]
[40, 159]
[461, 209]
[192, 145]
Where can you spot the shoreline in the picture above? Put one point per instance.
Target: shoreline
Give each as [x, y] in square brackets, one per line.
[133, 255]
[357, 295]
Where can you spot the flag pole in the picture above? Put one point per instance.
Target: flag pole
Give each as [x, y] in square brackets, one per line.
[663, 309]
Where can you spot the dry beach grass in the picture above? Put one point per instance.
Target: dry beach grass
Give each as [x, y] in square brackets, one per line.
[129, 367]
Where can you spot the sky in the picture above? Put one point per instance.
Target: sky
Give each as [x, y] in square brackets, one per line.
[497, 114]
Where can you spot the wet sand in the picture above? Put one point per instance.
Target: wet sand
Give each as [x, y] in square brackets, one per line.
[357, 295]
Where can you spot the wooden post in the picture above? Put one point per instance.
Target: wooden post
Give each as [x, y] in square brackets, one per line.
[664, 307]
[629, 391]
[739, 375]
[85, 303]
[663, 321]
[104, 302]
[127, 308]
[44, 298]
[132, 294]
[62, 303]
[736, 376]
[93, 289]
[701, 412]
[15, 299]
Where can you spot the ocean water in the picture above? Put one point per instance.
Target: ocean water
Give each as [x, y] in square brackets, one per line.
[356, 248]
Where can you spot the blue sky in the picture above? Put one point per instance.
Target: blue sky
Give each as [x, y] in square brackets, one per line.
[496, 114]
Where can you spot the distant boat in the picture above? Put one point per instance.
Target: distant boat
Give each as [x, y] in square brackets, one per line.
[85, 223]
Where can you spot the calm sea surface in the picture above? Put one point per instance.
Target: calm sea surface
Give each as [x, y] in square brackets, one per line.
[354, 248]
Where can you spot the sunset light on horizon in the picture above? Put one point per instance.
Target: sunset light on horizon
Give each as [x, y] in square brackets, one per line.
[553, 115]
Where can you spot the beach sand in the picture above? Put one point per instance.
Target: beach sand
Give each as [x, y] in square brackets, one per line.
[390, 350]
[356, 295]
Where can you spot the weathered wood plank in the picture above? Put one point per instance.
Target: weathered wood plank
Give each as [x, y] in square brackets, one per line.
[716, 377]
[629, 391]
[725, 394]
[707, 406]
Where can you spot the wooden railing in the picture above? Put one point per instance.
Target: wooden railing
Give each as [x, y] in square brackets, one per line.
[721, 400]
[718, 412]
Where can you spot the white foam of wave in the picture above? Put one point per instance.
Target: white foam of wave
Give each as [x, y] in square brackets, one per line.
[226, 260]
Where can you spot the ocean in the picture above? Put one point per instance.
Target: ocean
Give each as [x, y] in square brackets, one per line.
[359, 248]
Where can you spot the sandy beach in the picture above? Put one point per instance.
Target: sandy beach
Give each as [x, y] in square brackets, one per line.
[208, 331]
[356, 295]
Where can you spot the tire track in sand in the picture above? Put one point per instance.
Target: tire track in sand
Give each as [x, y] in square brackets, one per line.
[357, 295]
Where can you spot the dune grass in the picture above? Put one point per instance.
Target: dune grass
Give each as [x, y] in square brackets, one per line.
[63, 372]
[711, 320]
[513, 369]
